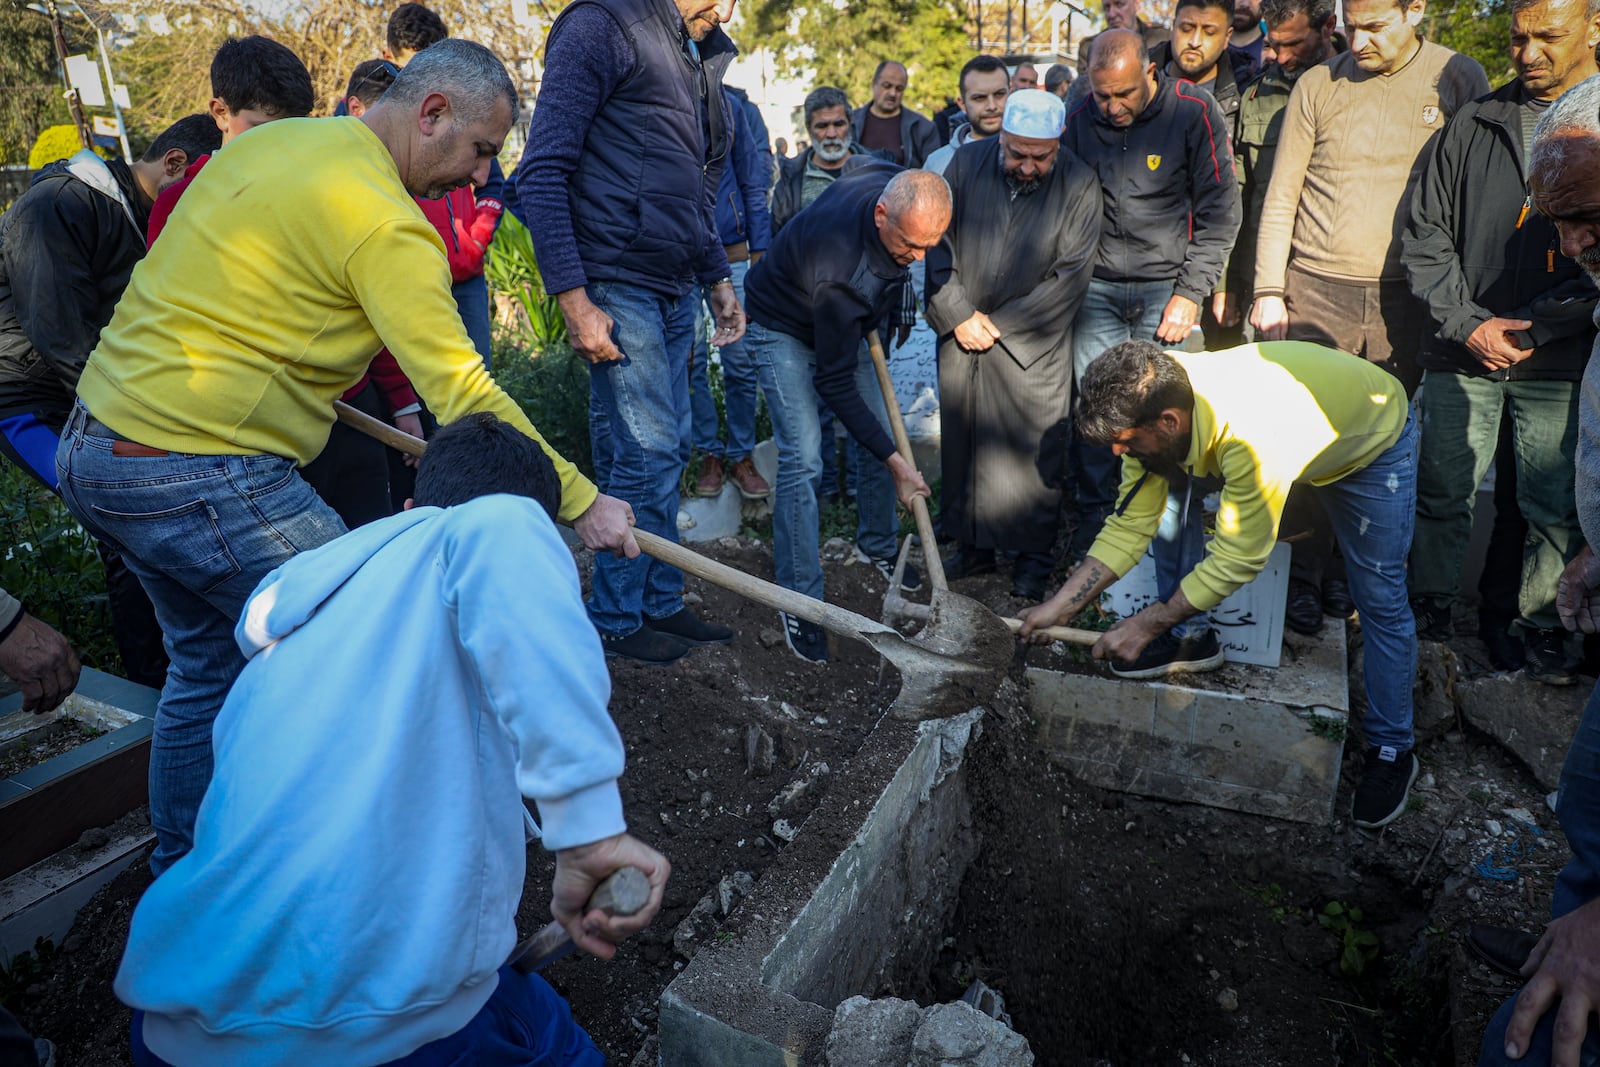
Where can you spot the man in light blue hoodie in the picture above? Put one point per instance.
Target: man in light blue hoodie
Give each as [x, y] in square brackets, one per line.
[358, 858]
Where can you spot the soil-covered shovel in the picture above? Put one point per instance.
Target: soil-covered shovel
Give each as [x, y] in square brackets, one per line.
[957, 625]
[942, 672]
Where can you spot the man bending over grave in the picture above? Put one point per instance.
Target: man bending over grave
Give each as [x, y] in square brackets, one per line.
[352, 891]
[1263, 417]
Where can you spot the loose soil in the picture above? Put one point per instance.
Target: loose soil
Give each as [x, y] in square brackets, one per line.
[36, 746]
[1119, 930]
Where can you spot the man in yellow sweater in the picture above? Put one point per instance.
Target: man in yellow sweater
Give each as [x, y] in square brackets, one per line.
[1264, 417]
[292, 258]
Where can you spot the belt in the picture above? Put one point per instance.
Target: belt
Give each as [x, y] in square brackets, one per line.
[120, 446]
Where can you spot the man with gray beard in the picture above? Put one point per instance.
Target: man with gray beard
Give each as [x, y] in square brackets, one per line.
[834, 152]
[1547, 1022]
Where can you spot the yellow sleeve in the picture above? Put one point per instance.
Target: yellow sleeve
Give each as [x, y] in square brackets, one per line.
[1129, 530]
[1252, 502]
[401, 279]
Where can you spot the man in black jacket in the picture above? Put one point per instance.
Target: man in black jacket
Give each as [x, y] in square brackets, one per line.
[834, 152]
[831, 276]
[67, 248]
[1511, 335]
[888, 126]
[1200, 51]
[1171, 211]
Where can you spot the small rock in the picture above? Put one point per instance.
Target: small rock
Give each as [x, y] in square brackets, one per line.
[872, 1031]
[835, 549]
[1520, 815]
[959, 1035]
[769, 637]
[705, 799]
[693, 599]
[93, 839]
[781, 829]
[1427, 783]
[1474, 894]
[728, 543]
[699, 924]
[760, 751]
[1228, 1001]
[1493, 826]
[790, 711]
[733, 888]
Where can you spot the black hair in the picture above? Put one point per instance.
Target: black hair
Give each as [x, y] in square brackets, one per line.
[1277, 12]
[414, 27]
[195, 135]
[980, 65]
[256, 73]
[1224, 6]
[477, 455]
[370, 80]
[1128, 386]
[878, 70]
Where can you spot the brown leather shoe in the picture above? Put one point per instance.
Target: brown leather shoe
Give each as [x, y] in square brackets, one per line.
[711, 476]
[748, 480]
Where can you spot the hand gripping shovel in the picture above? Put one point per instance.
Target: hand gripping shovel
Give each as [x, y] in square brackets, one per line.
[945, 670]
[624, 893]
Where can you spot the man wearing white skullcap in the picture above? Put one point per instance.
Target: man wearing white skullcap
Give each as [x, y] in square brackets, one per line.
[1004, 286]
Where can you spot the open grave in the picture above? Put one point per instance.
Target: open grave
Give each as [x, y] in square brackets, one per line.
[822, 853]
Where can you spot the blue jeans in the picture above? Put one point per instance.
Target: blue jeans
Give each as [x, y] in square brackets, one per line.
[472, 301]
[199, 532]
[1578, 809]
[524, 1023]
[738, 389]
[1112, 312]
[1180, 545]
[638, 422]
[788, 367]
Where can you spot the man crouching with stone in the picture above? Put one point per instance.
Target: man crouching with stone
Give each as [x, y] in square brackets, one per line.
[1264, 417]
[832, 276]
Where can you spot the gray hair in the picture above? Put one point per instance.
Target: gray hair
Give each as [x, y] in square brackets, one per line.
[822, 98]
[470, 76]
[1576, 114]
[915, 191]
[1058, 74]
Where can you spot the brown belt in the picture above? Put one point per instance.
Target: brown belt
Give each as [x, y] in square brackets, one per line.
[737, 253]
[119, 446]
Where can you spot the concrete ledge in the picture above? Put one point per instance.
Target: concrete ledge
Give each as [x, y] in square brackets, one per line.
[1243, 738]
[859, 899]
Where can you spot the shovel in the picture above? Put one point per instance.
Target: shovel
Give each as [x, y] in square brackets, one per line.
[949, 668]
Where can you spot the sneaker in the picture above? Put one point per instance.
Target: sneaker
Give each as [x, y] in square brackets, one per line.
[1336, 598]
[1505, 648]
[910, 581]
[805, 639]
[711, 476]
[1303, 611]
[967, 562]
[1385, 787]
[645, 645]
[748, 480]
[1433, 623]
[1548, 659]
[688, 627]
[1170, 654]
[45, 1050]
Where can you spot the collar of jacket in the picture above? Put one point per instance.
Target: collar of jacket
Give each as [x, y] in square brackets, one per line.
[1500, 108]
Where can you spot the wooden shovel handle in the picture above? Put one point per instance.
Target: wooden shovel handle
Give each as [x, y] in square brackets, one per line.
[829, 616]
[1070, 634]
[902, 442]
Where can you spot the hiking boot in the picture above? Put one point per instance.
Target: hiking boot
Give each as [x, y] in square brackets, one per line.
[967, 562]
[748, 480]
[1170, 654]
[1302, 612]
[1433, 623]
[689, 628]
[1547, 658]
[645, 645]
[1501, 947]
[1030, 575]
[1385, 787]
[711, 477]
[910, 581]
[1336, 598]
[1506, 651]
[805, 639]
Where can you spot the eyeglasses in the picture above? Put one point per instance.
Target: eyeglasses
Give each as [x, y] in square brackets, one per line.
[380, 78]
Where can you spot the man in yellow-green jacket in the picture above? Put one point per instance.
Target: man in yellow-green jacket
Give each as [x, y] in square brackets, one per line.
[294, 256]
[1263, 417]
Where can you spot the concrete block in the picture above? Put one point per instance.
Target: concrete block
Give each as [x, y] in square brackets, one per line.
[708, 518]
[858, 900]
[1535, 722]
[959, 1035]
[1247, 738]
[873, 1031]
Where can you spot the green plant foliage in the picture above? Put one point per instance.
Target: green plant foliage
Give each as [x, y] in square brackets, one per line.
[552, 386]
[50, 564]
[512, 269]
[33, 96]
[1357, 947]
[1477, 28]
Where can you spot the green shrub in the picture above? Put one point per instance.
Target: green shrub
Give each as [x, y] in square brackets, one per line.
[50, 564]
[512, 269]
[552, 386]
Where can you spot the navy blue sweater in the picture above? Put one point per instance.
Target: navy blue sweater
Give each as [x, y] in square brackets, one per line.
[827, 281]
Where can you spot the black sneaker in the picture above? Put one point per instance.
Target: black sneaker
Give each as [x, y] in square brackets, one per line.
[1303, 611]
[1169, 654]
[645, 645]
[805, 639]
[910, 581]
[1506, 651]
[691, 629]
[1433, 623]
[1385, 787]
[1548, 659]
